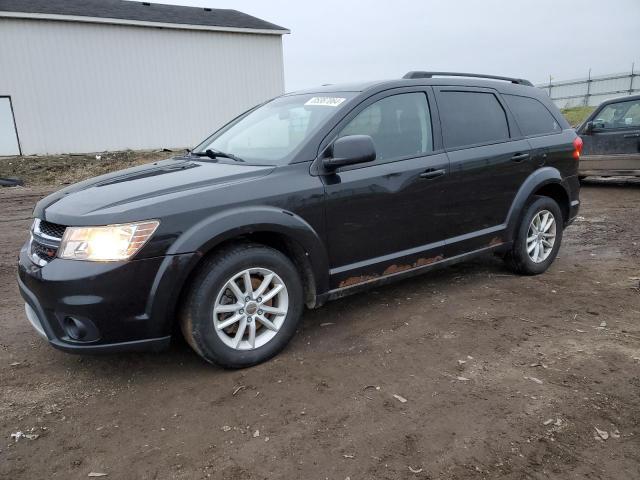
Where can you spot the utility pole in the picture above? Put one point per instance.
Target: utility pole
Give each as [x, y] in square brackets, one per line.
[633, 64]
[586, 97]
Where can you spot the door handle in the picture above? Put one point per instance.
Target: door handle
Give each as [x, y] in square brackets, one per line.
[631, 135]
[518, 157]
[432, 173]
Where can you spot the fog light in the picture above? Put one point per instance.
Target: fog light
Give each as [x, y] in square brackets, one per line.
[74, 328]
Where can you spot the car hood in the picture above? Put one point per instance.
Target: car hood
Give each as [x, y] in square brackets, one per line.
[131, 194]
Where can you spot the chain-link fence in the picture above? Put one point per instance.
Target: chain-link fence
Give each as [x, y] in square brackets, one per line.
[591, 91]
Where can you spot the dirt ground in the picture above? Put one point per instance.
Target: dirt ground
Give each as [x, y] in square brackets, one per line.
[503, 377]
[60, 170]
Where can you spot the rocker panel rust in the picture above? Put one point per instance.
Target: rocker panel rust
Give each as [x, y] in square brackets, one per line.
[421, 265]
[390, 270]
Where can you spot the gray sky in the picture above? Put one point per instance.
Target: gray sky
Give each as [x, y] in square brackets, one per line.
[334, 41]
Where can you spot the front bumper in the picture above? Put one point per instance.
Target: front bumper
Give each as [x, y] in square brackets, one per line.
[93, 307]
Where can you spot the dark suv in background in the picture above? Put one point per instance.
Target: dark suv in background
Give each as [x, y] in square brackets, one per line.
[611, 136]
[308, 197]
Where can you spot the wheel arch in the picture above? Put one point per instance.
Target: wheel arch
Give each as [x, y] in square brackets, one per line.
[270, 226]
[546, 182]
[558, 193]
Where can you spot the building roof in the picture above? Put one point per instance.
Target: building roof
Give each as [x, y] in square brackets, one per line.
[138, 13]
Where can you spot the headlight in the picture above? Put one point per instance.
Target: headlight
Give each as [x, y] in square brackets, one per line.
[106, 244]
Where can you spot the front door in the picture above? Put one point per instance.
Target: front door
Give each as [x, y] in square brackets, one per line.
[613, 145]
[8, 136]
[384, 217]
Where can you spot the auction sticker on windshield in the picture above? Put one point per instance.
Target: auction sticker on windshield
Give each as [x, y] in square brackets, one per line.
[325, 101]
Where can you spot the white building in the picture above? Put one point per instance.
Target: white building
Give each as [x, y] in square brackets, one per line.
[95, 75]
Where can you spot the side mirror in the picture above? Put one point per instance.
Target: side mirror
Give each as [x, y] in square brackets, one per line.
[350, 150]
[588, 128]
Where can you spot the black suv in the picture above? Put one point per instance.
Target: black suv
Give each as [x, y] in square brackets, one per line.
[308, 197]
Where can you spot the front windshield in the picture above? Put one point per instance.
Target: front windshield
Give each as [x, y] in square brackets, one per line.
[269, 134]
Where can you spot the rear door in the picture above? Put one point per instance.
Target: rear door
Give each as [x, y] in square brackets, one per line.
[384, 216]
[541, 128]
[613, 146]
[489, 160]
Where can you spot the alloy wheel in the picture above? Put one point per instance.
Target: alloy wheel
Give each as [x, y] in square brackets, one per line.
[250, 308]
[541, 236]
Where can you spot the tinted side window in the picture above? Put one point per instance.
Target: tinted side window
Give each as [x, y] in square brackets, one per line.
[400, 126]
[472, 117]
[532, 116]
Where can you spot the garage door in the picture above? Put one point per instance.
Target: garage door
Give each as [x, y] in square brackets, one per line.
[8, 134]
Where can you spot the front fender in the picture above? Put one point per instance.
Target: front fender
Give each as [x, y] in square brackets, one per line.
[539, 178]
[226, 225]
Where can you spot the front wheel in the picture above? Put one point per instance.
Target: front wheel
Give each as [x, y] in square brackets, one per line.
[538, 238]
[243, 306]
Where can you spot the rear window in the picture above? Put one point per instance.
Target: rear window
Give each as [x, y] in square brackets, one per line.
[470, 118]
[532, 116]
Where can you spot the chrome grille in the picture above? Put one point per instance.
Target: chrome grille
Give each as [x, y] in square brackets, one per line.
[42, 251]
[45, 241]
[52, 229]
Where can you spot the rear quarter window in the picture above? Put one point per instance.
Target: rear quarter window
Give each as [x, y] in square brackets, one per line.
[470, 118]
[532, 116]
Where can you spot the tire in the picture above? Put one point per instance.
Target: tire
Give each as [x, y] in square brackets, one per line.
[211, 287]
[518, 258]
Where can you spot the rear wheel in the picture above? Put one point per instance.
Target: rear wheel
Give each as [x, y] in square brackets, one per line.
[538, 238]
[243, 306]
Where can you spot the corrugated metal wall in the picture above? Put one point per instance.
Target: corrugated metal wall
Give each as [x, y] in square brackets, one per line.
[79, 87]
[592, 91]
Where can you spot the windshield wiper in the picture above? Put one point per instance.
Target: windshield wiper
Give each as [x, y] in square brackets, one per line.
[216, 154]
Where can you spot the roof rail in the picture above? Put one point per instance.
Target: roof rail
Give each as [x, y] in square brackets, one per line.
[420, 74]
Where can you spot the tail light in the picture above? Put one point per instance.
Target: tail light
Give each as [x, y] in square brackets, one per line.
[577, 148]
